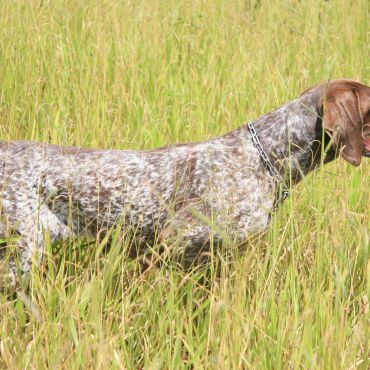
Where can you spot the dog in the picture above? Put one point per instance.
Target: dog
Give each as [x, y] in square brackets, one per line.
[190, 192]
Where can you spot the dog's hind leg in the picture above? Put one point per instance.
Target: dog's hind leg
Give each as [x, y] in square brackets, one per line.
[30, 220]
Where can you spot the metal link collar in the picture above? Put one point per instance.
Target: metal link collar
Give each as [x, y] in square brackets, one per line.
[273, 172]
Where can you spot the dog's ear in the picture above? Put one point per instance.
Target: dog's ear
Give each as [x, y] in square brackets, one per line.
[343, 119]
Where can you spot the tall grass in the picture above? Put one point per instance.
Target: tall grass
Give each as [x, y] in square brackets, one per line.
[139, 74]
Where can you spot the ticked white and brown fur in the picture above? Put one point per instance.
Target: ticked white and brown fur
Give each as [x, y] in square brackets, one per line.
[170, 191]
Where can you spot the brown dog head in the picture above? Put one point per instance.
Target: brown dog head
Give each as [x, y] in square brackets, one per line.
[346, 115]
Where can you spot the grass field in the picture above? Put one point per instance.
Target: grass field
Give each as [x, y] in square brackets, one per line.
[140, 74]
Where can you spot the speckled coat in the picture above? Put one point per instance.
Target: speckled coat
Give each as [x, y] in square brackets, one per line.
[192, 193]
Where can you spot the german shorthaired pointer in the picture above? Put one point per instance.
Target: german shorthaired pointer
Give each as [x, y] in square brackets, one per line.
[190, 192]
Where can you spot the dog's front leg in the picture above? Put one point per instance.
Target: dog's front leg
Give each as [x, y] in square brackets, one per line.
[190, 242]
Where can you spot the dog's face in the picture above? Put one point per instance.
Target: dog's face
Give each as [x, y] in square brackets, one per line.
[346, 107]
[346, 117]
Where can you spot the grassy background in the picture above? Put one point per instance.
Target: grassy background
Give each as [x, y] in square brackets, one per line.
[139, 74]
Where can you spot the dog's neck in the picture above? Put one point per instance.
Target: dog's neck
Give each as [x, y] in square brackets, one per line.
[292, 136]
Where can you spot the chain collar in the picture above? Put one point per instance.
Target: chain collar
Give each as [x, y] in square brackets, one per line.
[284, 192]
